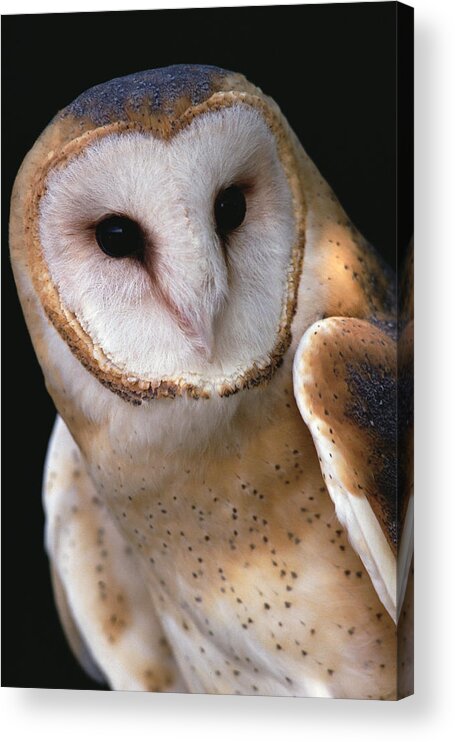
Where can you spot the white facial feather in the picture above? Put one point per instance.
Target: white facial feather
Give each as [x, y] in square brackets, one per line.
[235, 293]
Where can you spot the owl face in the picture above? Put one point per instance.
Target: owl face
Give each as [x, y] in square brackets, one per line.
[174, 256]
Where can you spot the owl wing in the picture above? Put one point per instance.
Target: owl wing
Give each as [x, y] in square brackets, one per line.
[106, 612]
[346, 389]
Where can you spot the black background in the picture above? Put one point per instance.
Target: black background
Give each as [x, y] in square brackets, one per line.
[332, 70]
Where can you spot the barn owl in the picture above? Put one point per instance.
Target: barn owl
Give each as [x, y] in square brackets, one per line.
[219, 342]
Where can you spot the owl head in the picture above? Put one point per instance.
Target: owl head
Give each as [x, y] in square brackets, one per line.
[161, 221]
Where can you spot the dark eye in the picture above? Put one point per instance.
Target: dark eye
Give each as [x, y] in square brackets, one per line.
[119, 237]
[230, 209]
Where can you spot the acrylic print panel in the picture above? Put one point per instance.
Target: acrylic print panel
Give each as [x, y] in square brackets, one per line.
[227, 490]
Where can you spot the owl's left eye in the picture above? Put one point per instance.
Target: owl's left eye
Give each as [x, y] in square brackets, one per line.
[119, 237]
[230, 209]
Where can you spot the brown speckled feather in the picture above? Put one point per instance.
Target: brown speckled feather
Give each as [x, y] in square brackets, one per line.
[351, 393]
[102, 600]
[345, 385]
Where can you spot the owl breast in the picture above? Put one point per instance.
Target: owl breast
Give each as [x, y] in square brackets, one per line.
[256, 585]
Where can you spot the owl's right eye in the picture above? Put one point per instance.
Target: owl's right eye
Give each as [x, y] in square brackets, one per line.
[119, 237]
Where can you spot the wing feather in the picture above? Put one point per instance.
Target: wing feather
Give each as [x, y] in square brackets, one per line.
[106, 611]
[345, 384]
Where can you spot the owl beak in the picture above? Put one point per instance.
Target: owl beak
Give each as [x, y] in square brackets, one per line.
[203, 337]
[200, 331]
[197, 326]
